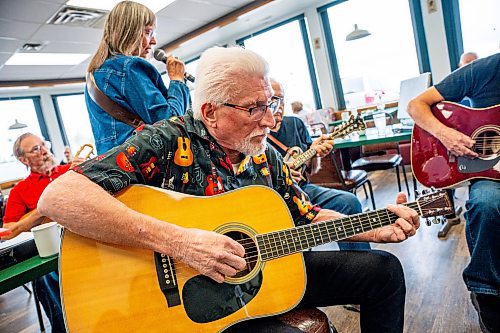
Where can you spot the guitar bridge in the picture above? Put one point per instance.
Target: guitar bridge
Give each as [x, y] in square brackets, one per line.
[165, 271]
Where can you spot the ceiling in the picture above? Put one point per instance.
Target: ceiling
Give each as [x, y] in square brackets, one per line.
[24, 21]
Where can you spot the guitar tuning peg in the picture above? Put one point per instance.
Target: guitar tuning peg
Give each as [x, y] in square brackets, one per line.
[436, 221]
[427, 222]
[425, 191]
[418, 193]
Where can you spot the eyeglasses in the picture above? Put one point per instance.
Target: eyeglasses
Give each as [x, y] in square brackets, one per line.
[258, 112]
[38, 148]
[150, 33]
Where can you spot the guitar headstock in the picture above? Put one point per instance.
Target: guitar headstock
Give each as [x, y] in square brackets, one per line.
[435, 203]
[351, 125]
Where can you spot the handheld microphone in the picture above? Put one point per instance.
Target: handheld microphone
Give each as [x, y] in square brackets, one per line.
[160, 55]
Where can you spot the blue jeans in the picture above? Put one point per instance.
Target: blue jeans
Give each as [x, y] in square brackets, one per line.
[482, 275]
[47, 290]
[339, 201]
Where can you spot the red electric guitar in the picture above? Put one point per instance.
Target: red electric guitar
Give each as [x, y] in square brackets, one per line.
[432, 163]
[214, 184]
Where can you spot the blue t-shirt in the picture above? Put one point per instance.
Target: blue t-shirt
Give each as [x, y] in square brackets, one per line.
[479, 81]
[293, 132]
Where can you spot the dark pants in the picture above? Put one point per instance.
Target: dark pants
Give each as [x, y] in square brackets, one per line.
[47, 289]
[374, 279]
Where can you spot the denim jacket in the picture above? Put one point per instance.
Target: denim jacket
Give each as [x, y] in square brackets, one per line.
[135, 84]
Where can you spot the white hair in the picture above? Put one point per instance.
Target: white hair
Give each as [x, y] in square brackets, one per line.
[218, 72]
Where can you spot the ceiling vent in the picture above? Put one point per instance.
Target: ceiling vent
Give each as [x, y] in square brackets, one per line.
[78, 16]
[31, 47]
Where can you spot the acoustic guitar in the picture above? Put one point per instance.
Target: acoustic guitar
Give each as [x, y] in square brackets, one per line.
[111, 288]
[434, 166]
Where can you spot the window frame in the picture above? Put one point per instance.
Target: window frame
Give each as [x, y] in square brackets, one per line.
[38, 111]
[307, 48]
[418, 32]
[453, 31]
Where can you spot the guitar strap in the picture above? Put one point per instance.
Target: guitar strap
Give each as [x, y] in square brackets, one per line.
[109, 106]
[278, 143]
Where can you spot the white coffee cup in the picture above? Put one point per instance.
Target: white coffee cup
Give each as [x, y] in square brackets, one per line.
[47, 239]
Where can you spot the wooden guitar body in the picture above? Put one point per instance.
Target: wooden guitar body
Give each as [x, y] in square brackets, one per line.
[109, 288]
[431, 162]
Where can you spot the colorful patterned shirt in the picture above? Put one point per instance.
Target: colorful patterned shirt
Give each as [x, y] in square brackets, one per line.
[180, 155]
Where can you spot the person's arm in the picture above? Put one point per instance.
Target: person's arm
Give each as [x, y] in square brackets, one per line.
[323, 146]
[143, 80]
[85, 208]
[30, 220]
[405, 226]
[419, 109]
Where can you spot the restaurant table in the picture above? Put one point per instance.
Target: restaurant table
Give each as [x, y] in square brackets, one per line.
[371, 137]
[24, 272]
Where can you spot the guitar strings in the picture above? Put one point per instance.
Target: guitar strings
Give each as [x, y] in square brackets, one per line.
[253, 259]
[250, 258]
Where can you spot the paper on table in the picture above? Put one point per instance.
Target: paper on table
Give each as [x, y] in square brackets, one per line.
[21, 238]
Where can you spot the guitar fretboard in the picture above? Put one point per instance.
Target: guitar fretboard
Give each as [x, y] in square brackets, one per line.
[281, 243]
[303, 158]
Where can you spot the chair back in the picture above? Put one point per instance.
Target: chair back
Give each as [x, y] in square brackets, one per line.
[319, 127]
[330, 174]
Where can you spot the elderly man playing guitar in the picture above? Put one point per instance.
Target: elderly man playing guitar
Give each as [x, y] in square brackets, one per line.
[224, 139]
[453, 125]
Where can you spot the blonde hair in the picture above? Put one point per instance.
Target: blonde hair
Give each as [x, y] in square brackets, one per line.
[123, 31]
[297, 106]
[218, 72]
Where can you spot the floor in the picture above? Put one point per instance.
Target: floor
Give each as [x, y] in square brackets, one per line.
[437, 300]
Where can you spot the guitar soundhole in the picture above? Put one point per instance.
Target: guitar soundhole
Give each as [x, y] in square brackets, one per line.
[487, 145]
[251, 256]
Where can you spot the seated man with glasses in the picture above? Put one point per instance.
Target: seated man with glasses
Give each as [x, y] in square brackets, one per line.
[35, 154]
[292, 132]
[217, 147]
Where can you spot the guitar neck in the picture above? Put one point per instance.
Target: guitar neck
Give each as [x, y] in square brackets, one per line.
[310, 153]
[281, 243]
[303, 158]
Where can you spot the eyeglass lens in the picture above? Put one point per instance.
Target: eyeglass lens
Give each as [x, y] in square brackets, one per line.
[38, 148]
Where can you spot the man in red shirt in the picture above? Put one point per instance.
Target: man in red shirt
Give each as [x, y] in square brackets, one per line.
[33, 152]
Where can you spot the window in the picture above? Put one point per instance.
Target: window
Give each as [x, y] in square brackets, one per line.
[23, 111]
[480, 26]
[285, 50]
[371, 68]
[74, 120]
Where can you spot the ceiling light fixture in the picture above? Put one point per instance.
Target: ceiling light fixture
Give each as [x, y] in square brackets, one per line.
[357, 33]
[17, 125]
[154, 5]
[46, 59]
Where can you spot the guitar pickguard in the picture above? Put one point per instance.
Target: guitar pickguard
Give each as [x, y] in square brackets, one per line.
[467, 165]
[206, 300]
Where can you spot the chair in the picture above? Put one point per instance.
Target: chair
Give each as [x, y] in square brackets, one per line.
[379, 157]
[318, 128]
[308, 321]
[331, 176]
